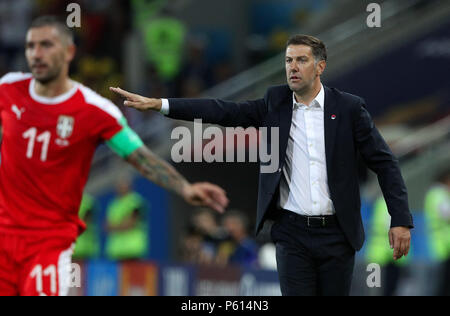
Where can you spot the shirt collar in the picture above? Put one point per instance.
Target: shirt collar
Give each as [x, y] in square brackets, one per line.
[55, 100]
[319, 99]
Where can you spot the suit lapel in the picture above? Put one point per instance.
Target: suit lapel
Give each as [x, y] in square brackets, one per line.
[331, 121]
[285, 123]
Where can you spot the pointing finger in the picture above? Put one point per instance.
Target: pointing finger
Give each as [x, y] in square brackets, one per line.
[122, 92]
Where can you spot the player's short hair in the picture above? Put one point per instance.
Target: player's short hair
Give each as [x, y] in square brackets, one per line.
[318, 47]
[54, 21]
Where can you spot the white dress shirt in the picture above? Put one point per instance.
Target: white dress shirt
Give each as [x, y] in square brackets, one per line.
[304, 182]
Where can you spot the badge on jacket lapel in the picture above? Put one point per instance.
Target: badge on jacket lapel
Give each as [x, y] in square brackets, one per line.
[333, 117]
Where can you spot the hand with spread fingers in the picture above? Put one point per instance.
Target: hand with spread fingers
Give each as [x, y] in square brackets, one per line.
[400, 241]
[206, 194]
[138, 102]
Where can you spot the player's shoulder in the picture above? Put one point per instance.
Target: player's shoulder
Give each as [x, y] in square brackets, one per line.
[93, 99]
[14, 77]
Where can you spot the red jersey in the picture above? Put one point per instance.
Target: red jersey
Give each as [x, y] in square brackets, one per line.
[46, 153]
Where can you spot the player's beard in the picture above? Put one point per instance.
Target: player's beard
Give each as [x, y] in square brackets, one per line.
[52, 75]
[54, 69]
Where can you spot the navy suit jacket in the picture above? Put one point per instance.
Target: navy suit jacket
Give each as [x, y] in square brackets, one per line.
[350, 131]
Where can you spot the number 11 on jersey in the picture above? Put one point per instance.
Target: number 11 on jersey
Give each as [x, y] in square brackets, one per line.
[43, 138]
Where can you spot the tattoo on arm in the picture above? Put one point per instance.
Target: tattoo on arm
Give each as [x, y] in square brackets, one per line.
[157, 170]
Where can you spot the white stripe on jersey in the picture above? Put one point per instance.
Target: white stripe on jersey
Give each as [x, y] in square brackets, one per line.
[64, 271]
[54, 100]
[90, 96]
[102, 103]
[15, 77]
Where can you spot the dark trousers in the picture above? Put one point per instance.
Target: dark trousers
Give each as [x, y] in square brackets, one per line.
[392, 274]
[312, 261]
[444, 289]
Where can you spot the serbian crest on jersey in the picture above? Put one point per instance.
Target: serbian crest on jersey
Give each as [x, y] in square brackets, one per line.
[65, 126]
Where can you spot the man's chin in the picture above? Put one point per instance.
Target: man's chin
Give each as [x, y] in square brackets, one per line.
[296, 87]
[43, 78]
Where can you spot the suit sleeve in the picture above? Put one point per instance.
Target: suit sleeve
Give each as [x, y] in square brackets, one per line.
[381, 160]
[225, 113]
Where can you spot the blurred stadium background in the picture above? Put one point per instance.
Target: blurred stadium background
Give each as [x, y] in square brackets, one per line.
[234, 50]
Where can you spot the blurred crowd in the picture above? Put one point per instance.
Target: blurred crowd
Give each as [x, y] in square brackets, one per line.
[210, 240]
[122, 232]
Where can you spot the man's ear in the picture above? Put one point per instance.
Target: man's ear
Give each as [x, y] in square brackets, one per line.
[71, 51]
[320, 68]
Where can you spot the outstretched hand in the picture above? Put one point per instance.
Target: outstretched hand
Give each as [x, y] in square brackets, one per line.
[138, 102]
[206, 194]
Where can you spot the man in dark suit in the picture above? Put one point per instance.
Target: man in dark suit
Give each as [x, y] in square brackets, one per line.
[314, 196]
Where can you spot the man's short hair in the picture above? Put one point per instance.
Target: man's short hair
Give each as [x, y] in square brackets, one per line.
[317, 46]
[54, 21]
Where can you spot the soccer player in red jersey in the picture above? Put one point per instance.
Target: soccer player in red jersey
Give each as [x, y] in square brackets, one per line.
[51, 128]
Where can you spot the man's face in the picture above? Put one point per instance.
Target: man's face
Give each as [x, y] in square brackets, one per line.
[47, 53]
[205, 222]
[233, 226]
[301, 69]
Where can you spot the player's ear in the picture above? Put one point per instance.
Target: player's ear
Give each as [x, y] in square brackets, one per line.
[71, 51]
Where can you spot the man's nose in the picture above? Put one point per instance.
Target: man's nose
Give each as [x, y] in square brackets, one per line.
[294, 67]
